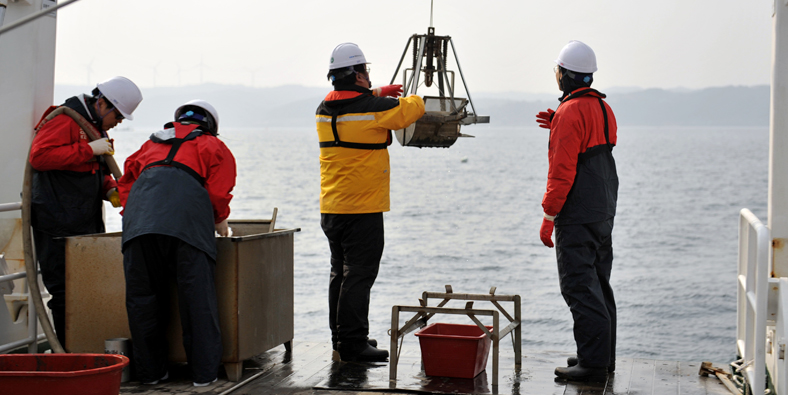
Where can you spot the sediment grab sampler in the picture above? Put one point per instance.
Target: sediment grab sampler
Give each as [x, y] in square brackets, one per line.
[445, 113]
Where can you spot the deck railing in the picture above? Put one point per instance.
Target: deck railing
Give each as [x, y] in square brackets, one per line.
[751, 310]
[32, 321]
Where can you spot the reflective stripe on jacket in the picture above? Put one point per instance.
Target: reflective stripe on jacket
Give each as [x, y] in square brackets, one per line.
[582, 184]
[354, 164]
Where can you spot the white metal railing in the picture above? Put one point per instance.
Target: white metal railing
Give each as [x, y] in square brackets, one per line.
[32, 321]
[10, 206]
[751, 309]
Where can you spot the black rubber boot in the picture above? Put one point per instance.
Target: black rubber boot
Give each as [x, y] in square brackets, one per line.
[572, 361]
[367, 354]
[579, 373]
[371, 342]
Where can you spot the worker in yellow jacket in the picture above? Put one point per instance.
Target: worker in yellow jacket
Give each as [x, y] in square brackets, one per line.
[354, 124]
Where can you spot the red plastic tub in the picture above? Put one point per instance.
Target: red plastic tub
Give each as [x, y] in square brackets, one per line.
[62, 374]
[452, 350]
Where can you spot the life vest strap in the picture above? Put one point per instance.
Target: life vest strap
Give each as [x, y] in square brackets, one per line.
[169, 160]
[345, 144]
[607, 128]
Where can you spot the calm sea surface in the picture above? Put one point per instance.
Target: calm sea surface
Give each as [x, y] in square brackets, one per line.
[469, 216]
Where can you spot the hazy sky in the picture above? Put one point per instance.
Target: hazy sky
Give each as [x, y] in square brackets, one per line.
[503, 45]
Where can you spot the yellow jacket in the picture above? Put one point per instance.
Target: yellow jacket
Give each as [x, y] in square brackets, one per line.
[354, 161]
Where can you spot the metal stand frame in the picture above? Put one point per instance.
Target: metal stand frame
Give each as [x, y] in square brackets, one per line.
[424, 313]
[435, 50]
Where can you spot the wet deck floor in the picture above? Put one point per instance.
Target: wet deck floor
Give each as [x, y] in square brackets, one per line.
[310, 370]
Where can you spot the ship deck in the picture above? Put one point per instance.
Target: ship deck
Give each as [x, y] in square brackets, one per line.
[309, 369]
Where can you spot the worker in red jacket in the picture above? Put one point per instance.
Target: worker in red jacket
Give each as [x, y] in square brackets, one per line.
[580, 203]
[176, 192]
[71, 180]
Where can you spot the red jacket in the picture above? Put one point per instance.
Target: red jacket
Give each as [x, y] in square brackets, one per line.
[577, 126]
[206, 155]
[62, 145]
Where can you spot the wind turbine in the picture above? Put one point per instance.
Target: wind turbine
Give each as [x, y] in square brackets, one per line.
[89, 70]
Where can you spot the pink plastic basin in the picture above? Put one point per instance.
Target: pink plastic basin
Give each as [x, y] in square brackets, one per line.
[63, 374]
[452, 350]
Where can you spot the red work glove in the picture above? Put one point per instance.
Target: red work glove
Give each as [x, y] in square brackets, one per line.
[388, 91]
[543, 118]
[546, 231]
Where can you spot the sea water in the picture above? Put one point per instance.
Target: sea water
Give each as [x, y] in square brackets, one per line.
[469, 216]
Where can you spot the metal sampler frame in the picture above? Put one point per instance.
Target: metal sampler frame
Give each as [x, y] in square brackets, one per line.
[424, 313]
[435, 50]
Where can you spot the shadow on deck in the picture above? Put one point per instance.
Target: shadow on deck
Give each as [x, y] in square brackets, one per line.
[310, 370]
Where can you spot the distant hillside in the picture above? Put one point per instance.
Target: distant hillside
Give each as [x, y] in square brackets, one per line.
[725, 106]
[294, 106]
[238, 106]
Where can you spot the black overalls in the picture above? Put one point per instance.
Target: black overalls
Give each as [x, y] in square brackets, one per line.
[168, 235]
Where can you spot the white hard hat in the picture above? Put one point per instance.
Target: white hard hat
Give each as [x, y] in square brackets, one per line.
[122, 93]
[205, 106]
[577, 56]
[345, 55]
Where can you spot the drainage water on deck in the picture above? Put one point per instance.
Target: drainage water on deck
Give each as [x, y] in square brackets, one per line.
[310, 370]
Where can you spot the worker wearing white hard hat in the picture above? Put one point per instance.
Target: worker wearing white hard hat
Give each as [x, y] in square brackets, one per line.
[579, 206]
[345, 55]
[122, 94]
[72, 178]
[354, 124]
[209, 122]
[348, 62]
[176, 193]
[577, 56]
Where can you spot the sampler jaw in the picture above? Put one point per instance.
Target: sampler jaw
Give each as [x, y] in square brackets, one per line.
[440, 124]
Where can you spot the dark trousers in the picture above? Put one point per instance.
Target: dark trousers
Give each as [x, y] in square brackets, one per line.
[150, 263]
[356, 243]
[51, 255]
[585, 259]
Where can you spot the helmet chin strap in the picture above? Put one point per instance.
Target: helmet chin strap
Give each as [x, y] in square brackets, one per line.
[101, 117]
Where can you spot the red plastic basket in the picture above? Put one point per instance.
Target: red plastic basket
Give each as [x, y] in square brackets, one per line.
[453, 350]
[62, 374]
